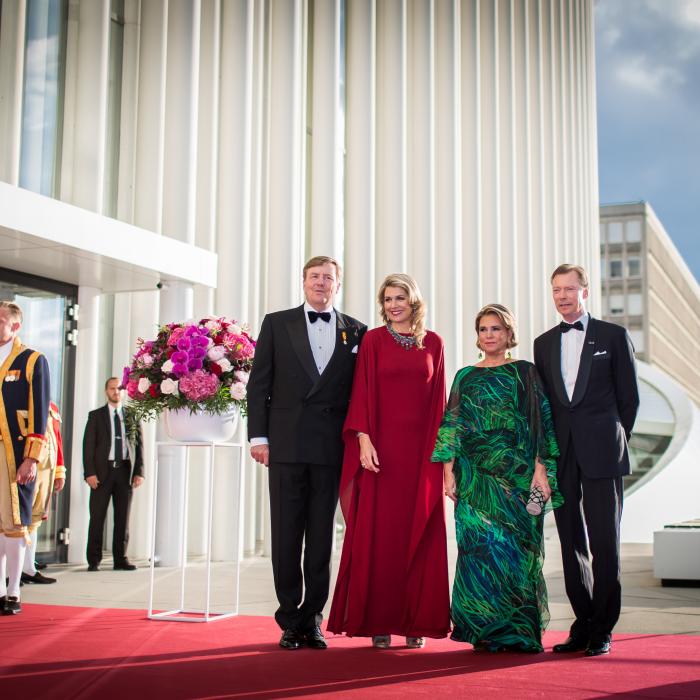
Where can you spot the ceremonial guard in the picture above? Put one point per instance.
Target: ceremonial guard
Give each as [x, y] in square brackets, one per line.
[24, 410]
[50, 479]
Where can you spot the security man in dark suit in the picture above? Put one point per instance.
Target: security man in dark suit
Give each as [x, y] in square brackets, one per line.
[113, 464]
[587, 367]
[298, 396]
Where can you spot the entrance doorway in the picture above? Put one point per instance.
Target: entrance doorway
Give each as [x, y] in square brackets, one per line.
[50, 316]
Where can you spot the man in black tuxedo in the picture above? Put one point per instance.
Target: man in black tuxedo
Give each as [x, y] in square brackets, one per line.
[113, 464]
[587, 367]
[298, 396]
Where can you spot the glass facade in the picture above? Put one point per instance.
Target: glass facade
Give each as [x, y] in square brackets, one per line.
[42, 97]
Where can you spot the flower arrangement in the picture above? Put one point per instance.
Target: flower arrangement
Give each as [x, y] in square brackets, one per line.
[200, 365]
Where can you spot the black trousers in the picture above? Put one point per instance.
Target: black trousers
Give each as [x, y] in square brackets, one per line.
[117, 488]
[589, 525]
[303, 499]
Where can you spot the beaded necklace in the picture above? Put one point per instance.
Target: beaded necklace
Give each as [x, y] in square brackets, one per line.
[405, 341]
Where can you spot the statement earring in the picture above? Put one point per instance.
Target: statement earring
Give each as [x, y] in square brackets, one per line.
[509, 355]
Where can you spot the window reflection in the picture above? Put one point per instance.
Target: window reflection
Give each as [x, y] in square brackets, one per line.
[42, 99]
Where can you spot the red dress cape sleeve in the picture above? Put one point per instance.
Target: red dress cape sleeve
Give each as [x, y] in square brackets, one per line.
[431, 490]
[360, 419]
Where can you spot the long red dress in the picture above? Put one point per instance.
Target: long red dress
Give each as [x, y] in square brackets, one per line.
[393, 569]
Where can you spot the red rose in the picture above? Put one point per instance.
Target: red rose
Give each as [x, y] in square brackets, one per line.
[215, 369]
[153, 390]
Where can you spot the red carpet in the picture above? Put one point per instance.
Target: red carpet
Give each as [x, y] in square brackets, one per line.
[65, 652]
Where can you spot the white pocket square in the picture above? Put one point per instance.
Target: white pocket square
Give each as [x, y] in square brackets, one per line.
[600, 352]
[355, 349]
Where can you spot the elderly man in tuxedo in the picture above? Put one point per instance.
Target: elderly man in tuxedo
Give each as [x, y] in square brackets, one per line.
[113, 465]
[298, 396]
[588, 370]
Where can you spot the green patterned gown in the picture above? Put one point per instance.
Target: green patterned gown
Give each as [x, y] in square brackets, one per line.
[497, 421]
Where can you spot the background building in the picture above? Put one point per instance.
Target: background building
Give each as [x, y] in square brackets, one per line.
[647, 287]
[212, 146]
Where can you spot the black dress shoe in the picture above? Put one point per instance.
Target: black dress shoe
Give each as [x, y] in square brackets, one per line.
[125, 566]
[571, 644]
[38, 577]
[93, 567]
[11, 606]
[599, 647]
[315, 639]
[291, 639]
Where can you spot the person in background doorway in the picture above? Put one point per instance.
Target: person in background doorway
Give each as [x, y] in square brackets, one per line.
[113, 466]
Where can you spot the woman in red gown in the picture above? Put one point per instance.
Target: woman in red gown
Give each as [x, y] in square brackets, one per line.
[393, 569]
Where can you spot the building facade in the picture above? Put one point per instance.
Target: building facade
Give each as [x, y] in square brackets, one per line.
[211, 146]
[648, 288]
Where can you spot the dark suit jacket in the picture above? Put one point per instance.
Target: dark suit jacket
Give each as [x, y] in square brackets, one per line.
[298, 410]
[97, 441]
[600, 416]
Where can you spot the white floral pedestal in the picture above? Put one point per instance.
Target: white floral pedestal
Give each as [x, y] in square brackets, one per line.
[183, 426]
[181, 614]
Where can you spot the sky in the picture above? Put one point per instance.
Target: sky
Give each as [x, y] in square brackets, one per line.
[648, 76]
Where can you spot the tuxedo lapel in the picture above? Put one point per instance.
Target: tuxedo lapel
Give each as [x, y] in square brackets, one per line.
[584, 366]
[299, 337]
[555, 362]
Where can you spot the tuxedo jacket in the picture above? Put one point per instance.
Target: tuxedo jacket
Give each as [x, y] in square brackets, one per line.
[601, 413]
[97, 441]
[300, 411]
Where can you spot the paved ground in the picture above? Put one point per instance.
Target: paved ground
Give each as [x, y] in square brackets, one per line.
[647, 606]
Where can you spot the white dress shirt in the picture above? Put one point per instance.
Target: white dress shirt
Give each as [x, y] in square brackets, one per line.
[571, 347]
[120, 410]
[321, 337]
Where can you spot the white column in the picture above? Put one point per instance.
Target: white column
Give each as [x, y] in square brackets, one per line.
[448, 303]
[420, 161]
[82, 182]
[360, 174]
[86, 388]
[12, 31]
[326, 193]
[284, 204]
[142, 323]
[175, 304]
[391, 142]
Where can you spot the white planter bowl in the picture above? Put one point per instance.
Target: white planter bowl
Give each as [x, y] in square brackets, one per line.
[183, 426]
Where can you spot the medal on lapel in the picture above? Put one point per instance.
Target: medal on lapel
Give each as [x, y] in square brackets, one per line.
[344, 336]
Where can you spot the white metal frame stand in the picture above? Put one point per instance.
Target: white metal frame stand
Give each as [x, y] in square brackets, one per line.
[181, 614]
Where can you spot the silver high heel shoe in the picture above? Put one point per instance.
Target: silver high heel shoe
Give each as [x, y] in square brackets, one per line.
[382, 641]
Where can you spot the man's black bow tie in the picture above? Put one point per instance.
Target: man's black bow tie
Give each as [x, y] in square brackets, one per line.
[566, 327]
[315, 315]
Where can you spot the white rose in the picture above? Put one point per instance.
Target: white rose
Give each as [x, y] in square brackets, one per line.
[235, 329]
[169, 386]
[216, 352]
[213, 325]
[168, 366]
[241, 376]
[224, 364]
[147, 359]
[237, 391]
[143, 385]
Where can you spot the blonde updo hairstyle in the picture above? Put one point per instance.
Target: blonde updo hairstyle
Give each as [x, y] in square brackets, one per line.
[505, 316]
[415, 299]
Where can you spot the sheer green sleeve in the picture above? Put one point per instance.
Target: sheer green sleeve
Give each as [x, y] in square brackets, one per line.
[543, 437]
[447, 442]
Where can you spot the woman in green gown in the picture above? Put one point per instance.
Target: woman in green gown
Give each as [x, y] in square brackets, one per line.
[497, 444]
